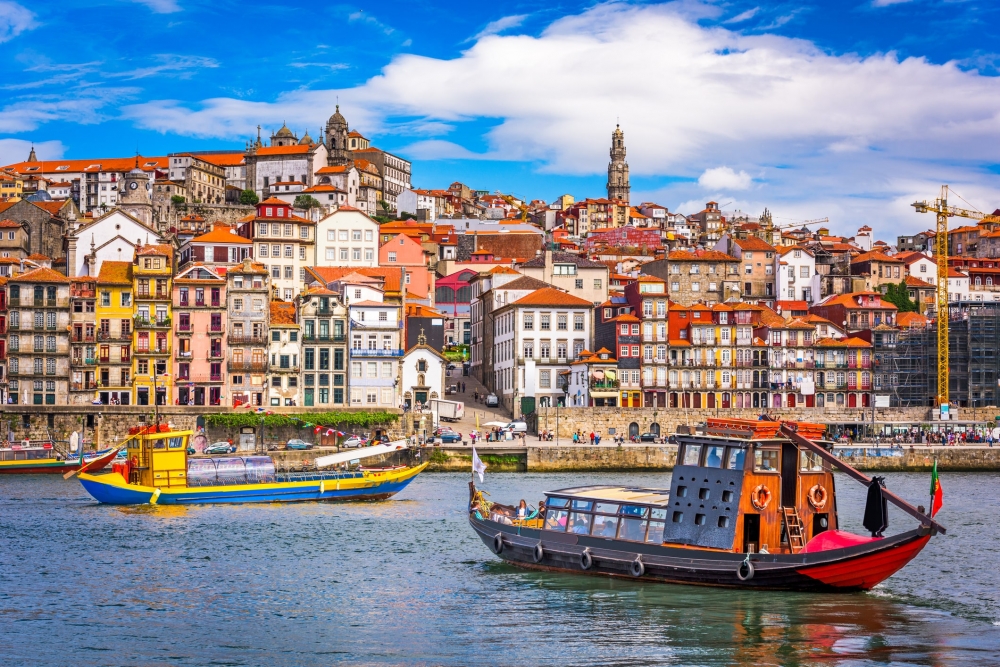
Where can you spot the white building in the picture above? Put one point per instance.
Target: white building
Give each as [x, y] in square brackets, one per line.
[114, 237]
[423, 374]
[342, 178]
[958, 286]
[268, 165]
[534, 340]
[796, 274]
[283, 242]
[375, 333]
[346, 237]
[919, 265]
[412, 201]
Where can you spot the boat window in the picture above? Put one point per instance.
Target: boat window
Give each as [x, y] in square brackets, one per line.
[176, 443]
[555, 519]
[608, 508]
[160, 443]
[736, 456]
[633, 530]
[605, 526]
[810, 462]
[557, 502]
[660, 514]
[634, 510]
[655, 533]
[714, 456]
[766, 460]
[579, 522]
[582, 504]
[692, 453]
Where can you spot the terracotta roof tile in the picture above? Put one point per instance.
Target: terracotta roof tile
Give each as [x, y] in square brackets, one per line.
[222, 234]
[41, 275]
[115, 273]
[282, 313]
[549, 296]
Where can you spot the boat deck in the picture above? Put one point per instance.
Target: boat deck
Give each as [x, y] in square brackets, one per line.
[622, 494]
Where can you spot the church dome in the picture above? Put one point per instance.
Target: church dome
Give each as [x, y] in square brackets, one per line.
[306, 139]
[284, 132]
[337, 118]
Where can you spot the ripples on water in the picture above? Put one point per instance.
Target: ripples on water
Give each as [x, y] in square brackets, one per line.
[406, 581]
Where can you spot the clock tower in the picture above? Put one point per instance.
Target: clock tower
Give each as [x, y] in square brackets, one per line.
[618, 185]
[135, 197]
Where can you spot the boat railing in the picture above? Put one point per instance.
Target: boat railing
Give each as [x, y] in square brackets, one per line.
[271, 478]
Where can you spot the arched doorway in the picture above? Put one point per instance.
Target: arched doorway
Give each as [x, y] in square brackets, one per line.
[654, 428]
[852, 400]
[633, 430]
[726, 398]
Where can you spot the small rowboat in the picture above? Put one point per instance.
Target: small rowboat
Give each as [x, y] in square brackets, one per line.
[751, 505]
[159, 472]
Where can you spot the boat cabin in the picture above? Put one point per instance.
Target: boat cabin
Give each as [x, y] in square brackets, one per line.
[19, 453]
[157, 456]
[735, 492]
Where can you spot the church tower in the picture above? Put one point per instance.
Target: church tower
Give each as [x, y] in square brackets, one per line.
[618, 187]
[135, 197]
[336, 140]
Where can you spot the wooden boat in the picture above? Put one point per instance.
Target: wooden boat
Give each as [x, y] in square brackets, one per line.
[32, 460]
[748, 507]
[159, 471]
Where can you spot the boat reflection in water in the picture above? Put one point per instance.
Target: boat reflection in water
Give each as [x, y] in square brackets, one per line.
[159, 472]
[751, 504]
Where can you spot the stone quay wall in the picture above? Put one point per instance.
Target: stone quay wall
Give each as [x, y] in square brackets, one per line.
[602, 420]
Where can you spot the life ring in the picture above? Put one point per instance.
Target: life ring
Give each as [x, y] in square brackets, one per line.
[586, 560]
[760, 497]
[818, 497]
[538, 553]
[498, 543]
[745, 566]
[637, 568]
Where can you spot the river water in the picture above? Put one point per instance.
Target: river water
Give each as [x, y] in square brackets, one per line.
[406, 582]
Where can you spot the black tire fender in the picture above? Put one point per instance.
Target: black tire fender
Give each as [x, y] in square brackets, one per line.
[538, 553]
[586, 560]
[637, 568]
[498, 543]
[745, 566]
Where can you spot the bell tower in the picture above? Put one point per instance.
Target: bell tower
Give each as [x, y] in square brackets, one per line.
[618, 186]
[135, 197]
[336, 140]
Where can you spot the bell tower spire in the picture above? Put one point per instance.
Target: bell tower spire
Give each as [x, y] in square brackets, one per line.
[618, 183]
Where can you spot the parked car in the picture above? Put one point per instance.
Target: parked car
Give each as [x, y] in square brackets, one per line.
[492, 401]
[295, 443]
[649, 437]
[452, 389]
[518, 426]
[450, 436]
[353, 441]
[221, 447]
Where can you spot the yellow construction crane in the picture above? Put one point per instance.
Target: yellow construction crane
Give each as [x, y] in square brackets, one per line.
[513, 202]
[943, 211]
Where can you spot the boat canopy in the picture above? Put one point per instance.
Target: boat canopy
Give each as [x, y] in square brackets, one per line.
[362, 453]
[621, 494]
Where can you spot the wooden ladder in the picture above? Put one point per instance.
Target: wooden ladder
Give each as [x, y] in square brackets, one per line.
[793, 528]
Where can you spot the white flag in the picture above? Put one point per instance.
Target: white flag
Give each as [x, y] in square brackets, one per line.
[478, 465]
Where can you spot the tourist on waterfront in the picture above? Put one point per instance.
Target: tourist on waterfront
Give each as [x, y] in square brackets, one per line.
[576, 439]
[591, 437]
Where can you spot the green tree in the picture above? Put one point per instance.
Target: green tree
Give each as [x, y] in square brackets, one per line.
[899, 296]
[306, 202]
[249, 198]
[177, 199]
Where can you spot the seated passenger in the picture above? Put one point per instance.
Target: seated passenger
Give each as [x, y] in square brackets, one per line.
[522, 510]
[579, 523]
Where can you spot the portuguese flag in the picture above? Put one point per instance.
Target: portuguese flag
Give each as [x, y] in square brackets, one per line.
[937, 494]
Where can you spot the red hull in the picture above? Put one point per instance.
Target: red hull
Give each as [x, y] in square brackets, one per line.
[865, 572]
[39, 470]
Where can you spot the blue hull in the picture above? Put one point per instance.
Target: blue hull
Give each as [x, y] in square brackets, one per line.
[251, 493]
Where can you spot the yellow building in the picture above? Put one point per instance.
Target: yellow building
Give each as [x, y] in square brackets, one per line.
[114, 316]
[11, 187]
[152, 275]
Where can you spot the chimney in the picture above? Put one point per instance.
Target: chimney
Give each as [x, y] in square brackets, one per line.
[547, 272]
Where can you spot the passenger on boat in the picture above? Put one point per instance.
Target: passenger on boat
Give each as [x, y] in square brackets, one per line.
[522, 510]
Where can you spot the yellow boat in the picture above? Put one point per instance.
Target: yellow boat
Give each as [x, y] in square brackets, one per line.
[159, 471]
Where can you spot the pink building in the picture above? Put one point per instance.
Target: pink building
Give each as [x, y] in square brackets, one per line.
[199, 311]
[401, 250]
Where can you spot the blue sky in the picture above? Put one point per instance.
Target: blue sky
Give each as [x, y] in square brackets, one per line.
[841, 109]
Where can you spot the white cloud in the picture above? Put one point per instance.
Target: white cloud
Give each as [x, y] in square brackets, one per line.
[724, 178]
[360, 17]
[14, 19]
[886, 3]
[167, 64]
[501, 24]
[84, 106]
[16, 150]
[743, 16]
[437, 149]
[161, 6]
[838, 135]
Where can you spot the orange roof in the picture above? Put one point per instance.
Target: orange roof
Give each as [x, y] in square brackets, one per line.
[913, 281]
[875, 256]
[850, 301]
[294, 149]
[115, 273]
[784, 250]
[700, 256]
[118, 164]
[222, 159]
[907, 320]
[10, 223]
[549, 296]
[753, 243]
[282, 313]
[420, 310]
[842, 342]
[954, 273]
[274, 201]
[221, 234]
[36, 257]
[42, 275]
[506, 270]
[333, 170]
[155, 249]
